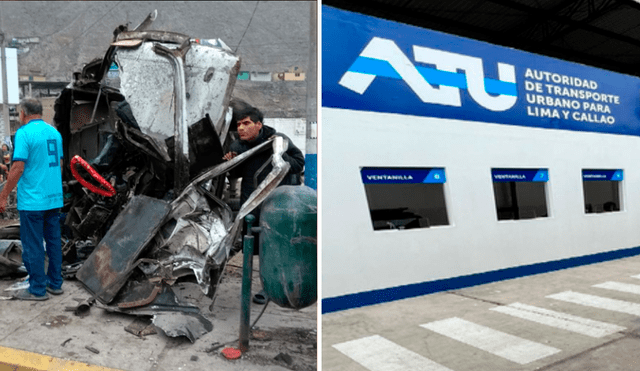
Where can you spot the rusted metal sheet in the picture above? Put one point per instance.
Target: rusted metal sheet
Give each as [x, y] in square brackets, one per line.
[142, 296]
[105, 271]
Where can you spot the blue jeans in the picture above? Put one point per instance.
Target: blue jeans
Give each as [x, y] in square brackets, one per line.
[36, 226]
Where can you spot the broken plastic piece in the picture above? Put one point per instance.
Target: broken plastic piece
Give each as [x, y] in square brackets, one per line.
[231, 353]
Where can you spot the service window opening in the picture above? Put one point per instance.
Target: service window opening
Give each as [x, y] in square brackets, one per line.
[601, 190]
[405, 198]
[520, 193]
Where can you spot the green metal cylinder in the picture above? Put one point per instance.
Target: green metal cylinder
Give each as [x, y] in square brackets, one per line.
[288, 246]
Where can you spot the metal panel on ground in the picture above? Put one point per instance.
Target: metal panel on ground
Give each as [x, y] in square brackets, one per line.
[106, 269]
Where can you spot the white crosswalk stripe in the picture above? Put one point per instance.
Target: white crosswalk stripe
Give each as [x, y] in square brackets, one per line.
[560, 320]
[619, 286]
[499, 343]
[379, 354]
[598, 302]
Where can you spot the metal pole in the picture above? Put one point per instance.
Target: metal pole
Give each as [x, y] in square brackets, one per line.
[6, 125]
[311, 153]
[247, 269]
[181, 129]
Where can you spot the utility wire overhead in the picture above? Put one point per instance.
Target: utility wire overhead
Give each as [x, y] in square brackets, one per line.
[93, 24]
[247, 28]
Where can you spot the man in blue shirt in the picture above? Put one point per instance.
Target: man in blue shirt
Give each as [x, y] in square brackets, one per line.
[37, 171]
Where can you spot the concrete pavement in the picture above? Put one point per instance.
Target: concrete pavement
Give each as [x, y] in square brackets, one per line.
[48, 335]
[582, 318]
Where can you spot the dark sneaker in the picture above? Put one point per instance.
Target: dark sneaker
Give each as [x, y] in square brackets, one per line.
[59, 291]
[24, 294]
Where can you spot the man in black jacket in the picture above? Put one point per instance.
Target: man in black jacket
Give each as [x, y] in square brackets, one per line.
[253, 133]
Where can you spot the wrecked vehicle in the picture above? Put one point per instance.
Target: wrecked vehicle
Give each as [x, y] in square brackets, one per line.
[145, 183]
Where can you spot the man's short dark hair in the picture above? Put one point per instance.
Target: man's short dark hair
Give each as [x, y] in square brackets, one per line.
[253, 113]
[242, 109]
[247, 111]
[31, 106]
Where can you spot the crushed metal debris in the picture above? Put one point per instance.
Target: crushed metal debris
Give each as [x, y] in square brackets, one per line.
[92, 349]
[146, 194]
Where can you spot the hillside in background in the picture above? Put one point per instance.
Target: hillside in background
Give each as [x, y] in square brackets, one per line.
[56, 39]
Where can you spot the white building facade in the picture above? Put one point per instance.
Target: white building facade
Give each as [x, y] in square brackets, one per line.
[449, 162]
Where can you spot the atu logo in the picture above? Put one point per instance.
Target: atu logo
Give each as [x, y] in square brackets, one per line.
[383, 58]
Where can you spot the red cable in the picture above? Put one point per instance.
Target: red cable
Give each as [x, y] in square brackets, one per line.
[105, 190]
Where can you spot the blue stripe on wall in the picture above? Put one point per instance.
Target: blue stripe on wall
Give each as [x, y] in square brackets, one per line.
[311, 170]
[500, 87]
[363, 299]
[376, 67]
[437, 77]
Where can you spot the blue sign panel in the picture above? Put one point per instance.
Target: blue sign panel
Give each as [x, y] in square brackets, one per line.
[614, 175]
[375, 175]
[376, 65]
[519, 175]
